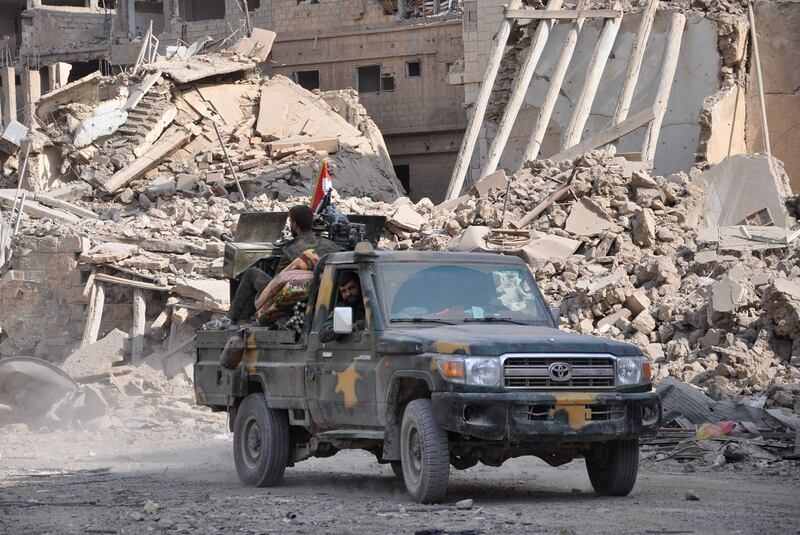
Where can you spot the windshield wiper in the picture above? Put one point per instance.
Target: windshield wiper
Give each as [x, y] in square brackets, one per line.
[422, 320]
[492, 319]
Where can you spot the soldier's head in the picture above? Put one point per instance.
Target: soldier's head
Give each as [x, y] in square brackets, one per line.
[301, 218]
[350, 288]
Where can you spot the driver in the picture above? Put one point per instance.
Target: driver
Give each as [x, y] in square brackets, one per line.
[349, 295]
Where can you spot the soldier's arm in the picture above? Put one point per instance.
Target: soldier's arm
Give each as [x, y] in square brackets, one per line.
[286, 259]
[326, 333]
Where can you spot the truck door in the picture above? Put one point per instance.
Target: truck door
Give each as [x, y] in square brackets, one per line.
[344, 369]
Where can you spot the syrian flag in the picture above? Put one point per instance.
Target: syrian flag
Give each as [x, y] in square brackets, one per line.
[322, 186]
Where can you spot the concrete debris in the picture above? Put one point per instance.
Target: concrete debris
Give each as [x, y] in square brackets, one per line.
[107, 253]
[97, 358]
[741, 186]
[587, 219]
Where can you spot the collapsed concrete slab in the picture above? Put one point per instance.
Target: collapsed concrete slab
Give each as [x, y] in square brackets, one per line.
[740, 188]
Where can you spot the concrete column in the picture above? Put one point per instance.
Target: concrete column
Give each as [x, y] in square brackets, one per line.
[52, 82]
[31, 92]
[62, 71]
[131, 12]
[9, 95]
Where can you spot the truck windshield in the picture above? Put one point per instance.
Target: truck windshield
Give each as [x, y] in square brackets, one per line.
[469, 292]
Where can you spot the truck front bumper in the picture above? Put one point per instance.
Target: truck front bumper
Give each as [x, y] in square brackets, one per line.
[535, 417]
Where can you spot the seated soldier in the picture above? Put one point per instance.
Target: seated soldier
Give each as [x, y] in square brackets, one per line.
[349, 295]
[254, 280]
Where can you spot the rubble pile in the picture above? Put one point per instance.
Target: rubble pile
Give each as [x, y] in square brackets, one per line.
[639, 263]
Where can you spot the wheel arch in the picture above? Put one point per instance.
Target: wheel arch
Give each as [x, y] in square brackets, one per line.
[404, 387]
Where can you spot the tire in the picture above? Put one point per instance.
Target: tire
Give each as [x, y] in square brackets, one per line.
[260, 442]
[613, 466]
[397, 468]
[424, 453]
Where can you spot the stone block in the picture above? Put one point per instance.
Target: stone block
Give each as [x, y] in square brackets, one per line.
[637, 301]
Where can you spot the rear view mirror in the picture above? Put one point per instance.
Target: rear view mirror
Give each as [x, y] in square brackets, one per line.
[556, 313]
[342, 320]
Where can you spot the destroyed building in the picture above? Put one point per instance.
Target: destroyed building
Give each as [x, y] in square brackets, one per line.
[713, 109]
[116, 186]
[396, 55]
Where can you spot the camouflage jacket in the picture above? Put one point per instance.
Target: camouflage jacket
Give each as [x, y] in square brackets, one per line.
[294, 248]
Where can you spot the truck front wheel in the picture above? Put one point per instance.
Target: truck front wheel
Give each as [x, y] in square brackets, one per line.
[260, 442]
[613, 466]
[424, 453]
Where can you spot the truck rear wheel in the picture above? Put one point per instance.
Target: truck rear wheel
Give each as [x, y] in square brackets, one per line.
[424, 453]
[613, 466]
[260, 442]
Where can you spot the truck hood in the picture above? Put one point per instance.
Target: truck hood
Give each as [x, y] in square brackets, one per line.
[497, 339]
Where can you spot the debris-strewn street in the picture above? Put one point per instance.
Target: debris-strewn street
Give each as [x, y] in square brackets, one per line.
[175, 481]
[537, 246]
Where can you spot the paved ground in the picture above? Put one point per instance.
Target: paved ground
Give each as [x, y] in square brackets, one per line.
[68, 482]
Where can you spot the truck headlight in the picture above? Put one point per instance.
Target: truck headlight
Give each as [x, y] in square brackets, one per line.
[477, 371]
[632, 370]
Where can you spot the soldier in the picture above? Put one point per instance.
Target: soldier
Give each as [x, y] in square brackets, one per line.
[349, 295]
[254, 280]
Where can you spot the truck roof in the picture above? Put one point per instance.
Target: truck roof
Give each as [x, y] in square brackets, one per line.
[381, 256]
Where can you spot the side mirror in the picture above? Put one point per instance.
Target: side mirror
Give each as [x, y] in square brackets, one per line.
[342, 320]
[556, 313]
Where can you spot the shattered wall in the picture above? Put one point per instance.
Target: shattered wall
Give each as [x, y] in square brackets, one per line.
[681, 136]
[40, 306]
[779, 42]
[62, 33]
[335, 38]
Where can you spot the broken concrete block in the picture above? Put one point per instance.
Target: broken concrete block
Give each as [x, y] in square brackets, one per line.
[12, 137]
[547, 246]
[604, 282]
[109, 252]
[642, 179]
[319, 144]
[406, 218]
[644, 227]
[726, 295]
[644, 322]
[98, 357]
[606, 323]
[496, 180]
[587, 219]
[257, 46]
[586, 326]
[740, 186]
[637, 301]
[654, 351]
[186, 182]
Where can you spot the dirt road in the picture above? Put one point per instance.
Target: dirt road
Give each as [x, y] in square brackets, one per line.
[166, 480]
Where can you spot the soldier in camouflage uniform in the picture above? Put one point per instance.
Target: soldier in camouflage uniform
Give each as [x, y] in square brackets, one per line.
[254, 280]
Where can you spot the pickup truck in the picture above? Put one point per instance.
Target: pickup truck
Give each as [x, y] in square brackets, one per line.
[458, 360]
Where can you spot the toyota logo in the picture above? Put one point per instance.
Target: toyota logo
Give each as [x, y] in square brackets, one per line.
[560, 371]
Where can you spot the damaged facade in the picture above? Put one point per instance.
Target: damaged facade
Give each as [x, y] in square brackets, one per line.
[713, 105]
[129, 187]
[399, 65]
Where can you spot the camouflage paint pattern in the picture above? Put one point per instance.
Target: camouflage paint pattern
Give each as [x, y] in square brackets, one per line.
[336, 381]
